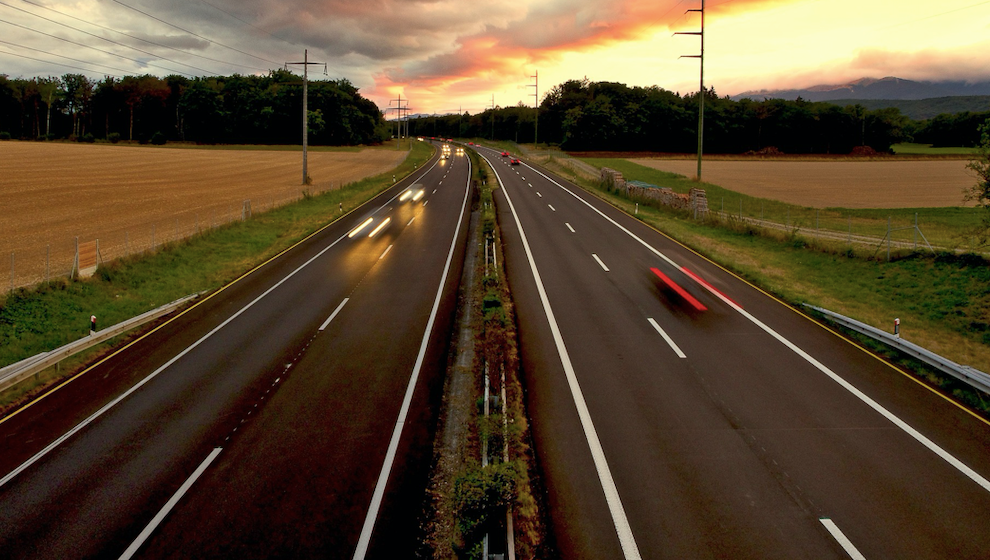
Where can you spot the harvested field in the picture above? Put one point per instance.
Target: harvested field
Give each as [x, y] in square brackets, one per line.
[134, 198]
[836, 184]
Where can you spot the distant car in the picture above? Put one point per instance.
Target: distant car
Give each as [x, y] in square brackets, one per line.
[514, 161]
[505, 154]
[470, 143]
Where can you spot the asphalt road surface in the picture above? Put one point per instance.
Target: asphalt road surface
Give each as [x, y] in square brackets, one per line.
[289, 415]
[679, 412]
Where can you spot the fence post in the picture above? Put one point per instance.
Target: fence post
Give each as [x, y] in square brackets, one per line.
[888, 238]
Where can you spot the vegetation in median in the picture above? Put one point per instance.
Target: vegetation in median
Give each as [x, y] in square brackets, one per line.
[496, 474]
[50, 315]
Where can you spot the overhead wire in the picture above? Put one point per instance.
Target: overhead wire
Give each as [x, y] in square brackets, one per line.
[211, 41]
[93, 48]
[269, 33]
[142, 39]
[934, 15]
[266, 32]
[55, 63]
[111, 41]
[63, 56]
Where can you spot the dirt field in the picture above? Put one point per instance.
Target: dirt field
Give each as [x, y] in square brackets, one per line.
[842, 184]
[131, 197]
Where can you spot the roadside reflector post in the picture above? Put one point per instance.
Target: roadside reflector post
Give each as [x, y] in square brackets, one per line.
[897, 327]
[92, 325]
[637, 208]
[393, 177]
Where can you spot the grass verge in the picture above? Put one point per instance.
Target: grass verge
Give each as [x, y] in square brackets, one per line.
[50, 315]
[949, 228]
[943, 300]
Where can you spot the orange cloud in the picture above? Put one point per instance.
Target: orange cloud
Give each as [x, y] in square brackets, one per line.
[541, 34]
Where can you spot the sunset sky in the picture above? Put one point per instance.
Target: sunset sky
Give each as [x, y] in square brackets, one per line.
[445, 55]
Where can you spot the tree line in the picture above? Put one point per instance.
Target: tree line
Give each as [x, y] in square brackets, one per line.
[225, 109]
[584, 115]
[577, 115]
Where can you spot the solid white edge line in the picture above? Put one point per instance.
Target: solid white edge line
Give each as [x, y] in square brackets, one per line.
[387, 249]
[627, 540]
[334, 314]
[600, 263]
[160, 516]
[569, 227]
[666, 337]
[918, 436]
[364, 540]
[841, 538]
[51, 446]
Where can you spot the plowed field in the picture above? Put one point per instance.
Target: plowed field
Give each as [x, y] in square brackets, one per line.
[132, 197]
[836, 184]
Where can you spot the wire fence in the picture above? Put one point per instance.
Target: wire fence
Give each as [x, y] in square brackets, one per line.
[30, 266]
[884, 232]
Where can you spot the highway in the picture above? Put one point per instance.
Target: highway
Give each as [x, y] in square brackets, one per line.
[679, 412]
[290, 414]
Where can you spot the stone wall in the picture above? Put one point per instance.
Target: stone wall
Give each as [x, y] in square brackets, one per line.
[696, 201]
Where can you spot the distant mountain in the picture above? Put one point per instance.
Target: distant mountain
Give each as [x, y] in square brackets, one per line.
[921, 109]
[868, 88]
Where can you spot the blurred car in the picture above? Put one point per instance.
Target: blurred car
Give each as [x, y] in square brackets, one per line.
[505, 154]
[514, 161]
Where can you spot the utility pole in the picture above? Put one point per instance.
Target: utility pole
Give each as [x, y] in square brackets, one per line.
[400, 109]
[701, 92]
[305, 109]
[536, 95]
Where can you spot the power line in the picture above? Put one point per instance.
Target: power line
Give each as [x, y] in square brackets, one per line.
[266, 32]
[111, 41]
[63, 56]
[194, 34]
[94, 48]
[217, 8]
[141, 39]
[56, 63]
[935, 15]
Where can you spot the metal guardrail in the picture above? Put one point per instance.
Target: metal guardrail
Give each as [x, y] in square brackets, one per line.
[974, 377]
[15, 373]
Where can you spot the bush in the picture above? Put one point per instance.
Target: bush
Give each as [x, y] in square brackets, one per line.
[158, 139]
[4, 135]
[87, 138]
[113, 137]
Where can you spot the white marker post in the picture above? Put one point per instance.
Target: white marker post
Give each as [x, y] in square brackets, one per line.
[897, 327]
[92, 325]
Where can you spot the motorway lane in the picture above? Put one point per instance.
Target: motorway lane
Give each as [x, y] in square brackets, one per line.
[92, 494]
[738, 449]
